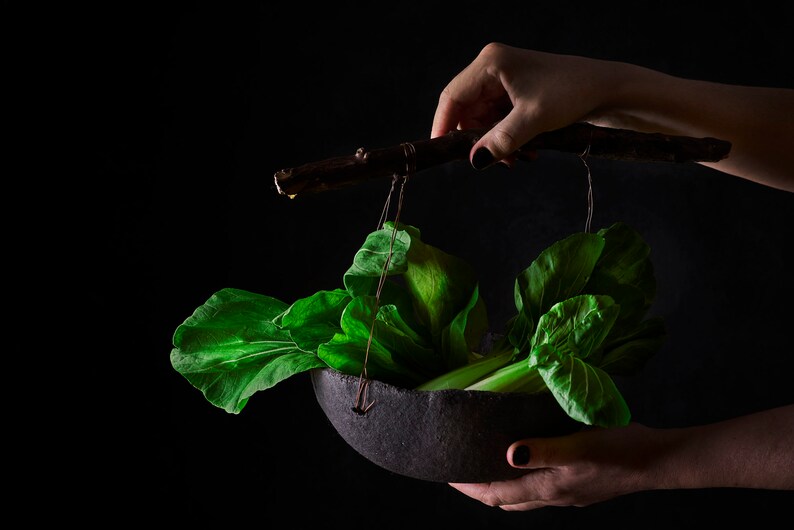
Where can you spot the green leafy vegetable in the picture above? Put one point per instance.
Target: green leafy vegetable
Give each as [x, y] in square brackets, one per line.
[314, 320]
[580, 318]
[363, 275]
[440, 284]
[567, 336]
[584, 391]
[393, 356]
[230, 348]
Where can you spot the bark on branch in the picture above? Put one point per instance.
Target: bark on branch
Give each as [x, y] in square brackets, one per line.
[603, 142]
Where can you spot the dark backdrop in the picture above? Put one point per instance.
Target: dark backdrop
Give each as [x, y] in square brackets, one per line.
[198, 106]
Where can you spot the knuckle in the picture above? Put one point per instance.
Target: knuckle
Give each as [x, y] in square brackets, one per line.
[493, 498]
[446, 94]
[492, 49]
[503, 142]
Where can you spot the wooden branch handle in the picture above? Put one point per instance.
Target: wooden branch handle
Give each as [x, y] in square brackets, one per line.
[603, 142]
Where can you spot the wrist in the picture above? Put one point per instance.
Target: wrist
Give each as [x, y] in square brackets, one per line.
[637, 98]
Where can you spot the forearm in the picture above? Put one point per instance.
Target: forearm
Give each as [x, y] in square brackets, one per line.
[759, 122]
[754, 451]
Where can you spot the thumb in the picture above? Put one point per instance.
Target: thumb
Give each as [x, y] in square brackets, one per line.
[504, 139]
[533, 453]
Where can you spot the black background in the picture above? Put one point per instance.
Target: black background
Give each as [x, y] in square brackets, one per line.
[198, 104]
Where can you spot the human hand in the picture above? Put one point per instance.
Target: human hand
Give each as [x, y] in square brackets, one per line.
[583, 468]
[524, 93]
[594, 465]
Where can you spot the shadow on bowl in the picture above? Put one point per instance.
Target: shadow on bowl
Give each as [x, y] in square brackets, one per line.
[440, 435]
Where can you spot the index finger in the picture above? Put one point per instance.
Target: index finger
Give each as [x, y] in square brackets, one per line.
[447, 115]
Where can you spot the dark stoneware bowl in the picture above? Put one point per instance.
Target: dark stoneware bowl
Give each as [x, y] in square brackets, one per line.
[441, 435]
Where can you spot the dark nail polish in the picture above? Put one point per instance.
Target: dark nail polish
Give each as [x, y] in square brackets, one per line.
[482, 158]
[521, 455]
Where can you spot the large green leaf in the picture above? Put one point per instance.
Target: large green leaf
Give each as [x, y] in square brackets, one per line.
[627, 354]
[440, 285]
[419, 359]
[630, 298]
[585, 392]
[520, 329]
[391, 315]
[231, 390]
[465, 332]
[397, 333]
[347, 351]
[624, 271]
[577, 325]
[626, 258]
[224, 330]
[314, 320]
[559, 272]
[230, 348]
[565, 338]
[369, 262]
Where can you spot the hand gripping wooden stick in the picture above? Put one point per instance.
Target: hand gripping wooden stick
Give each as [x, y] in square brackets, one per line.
[601, 142]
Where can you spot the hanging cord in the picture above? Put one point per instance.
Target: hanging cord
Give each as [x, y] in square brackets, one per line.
[384, 214]
[410, 169]
[590, 202]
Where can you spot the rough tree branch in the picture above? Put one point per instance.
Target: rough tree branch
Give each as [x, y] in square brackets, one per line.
[603, 142]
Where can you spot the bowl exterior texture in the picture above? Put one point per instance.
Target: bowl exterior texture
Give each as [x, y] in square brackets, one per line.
[438, 436]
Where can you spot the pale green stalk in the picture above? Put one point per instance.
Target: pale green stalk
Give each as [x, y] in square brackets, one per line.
[515, 377]
[466, 375]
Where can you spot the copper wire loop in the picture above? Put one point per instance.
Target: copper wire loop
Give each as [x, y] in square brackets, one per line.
[410, 168]
[410, 158]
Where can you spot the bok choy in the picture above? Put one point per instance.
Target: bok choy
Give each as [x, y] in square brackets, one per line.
[581, 318]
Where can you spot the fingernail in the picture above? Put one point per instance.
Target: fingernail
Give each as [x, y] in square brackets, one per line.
[482, 158]
[521, 455]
